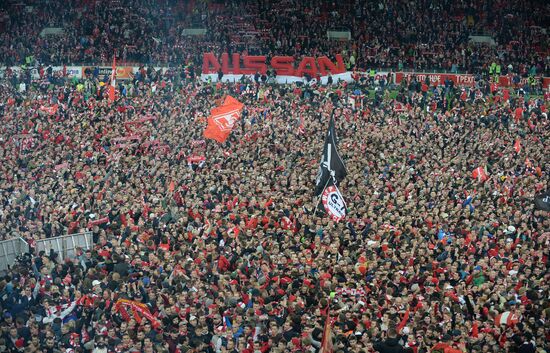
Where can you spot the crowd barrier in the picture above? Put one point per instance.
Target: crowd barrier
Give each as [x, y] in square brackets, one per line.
[9, 250]
[65, 245]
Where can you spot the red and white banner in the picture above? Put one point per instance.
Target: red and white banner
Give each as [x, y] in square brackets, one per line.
[139, 311]
[506, 318]
[195, 159]
[480, 174]
[49, 110]
[125, 138]
[462, 79]
[222, 119]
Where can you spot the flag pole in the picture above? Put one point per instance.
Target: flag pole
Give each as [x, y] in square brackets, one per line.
[321, 195]
[326, 347]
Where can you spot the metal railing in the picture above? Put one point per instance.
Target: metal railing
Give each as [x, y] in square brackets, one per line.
[9, 250]
[65, 245]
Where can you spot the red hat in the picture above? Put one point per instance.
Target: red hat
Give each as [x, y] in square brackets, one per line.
[291, 298]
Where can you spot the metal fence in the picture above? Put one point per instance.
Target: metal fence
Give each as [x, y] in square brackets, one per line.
[65, 245]
[9, 250]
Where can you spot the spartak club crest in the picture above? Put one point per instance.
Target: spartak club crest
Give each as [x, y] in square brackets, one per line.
[226, 121]
[334, 203]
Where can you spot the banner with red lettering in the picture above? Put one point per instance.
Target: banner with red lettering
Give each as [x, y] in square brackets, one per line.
[222, 119]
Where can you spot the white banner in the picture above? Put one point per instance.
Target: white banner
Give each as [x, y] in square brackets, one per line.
[346, 76]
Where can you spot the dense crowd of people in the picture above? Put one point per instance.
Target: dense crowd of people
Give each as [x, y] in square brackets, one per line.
[200, 246]
[388, 34]
[207, 247]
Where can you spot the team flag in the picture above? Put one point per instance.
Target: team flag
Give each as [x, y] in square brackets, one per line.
[331, 166]
[222, 119]
[113, 82]
[333, 201]
[542, 201]
[506, 318]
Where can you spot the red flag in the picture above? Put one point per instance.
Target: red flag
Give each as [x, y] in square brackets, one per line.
[517, 146]
[222, 119]
[139, 310]
[113, 82]
[480, 174]
[404, 321]
[326, 346]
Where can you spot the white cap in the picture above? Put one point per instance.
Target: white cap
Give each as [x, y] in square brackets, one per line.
[96, 283]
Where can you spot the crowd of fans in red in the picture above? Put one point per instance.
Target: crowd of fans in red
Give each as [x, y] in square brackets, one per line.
[207, 247]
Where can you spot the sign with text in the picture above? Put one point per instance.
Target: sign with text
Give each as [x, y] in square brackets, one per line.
[283, 65]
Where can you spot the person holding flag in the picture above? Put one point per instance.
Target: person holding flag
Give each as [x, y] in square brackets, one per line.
[327, 346]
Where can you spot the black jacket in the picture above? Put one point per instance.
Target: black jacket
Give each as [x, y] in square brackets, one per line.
[391, 345]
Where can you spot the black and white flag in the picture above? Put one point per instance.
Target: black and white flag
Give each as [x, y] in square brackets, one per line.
[332, 165]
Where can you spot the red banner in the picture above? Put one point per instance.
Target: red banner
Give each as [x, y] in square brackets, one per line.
[49, 110]
[195, 159]
[126, 138]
